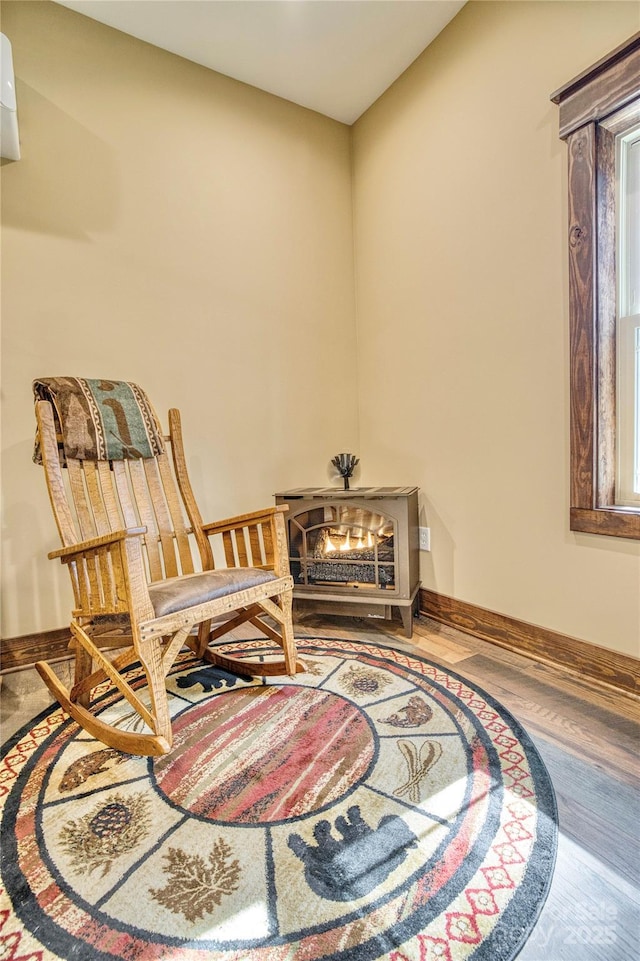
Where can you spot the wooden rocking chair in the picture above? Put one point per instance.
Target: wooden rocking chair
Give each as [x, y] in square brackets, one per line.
[127, 530]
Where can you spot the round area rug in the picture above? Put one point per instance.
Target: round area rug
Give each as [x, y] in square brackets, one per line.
[377, 806]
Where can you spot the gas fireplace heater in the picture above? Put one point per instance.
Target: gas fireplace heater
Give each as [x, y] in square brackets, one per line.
[354, 551]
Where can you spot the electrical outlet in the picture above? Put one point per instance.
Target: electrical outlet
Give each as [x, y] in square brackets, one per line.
[424, 534]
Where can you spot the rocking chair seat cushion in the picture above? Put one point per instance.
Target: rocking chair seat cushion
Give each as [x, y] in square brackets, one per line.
[178, 593]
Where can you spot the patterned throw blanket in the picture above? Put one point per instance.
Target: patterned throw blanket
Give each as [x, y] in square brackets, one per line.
[99, 419]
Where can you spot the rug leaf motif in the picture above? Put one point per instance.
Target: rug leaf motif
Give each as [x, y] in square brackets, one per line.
[195, 887]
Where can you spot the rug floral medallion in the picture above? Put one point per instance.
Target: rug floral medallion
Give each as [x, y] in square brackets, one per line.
[376, 806]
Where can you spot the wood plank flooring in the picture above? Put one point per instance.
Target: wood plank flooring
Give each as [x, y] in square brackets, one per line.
[589, 739]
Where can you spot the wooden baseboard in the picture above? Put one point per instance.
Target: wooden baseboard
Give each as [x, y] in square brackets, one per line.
[19, 652]
[598, 665]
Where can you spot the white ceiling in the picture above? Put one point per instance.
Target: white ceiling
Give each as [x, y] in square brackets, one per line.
[333, 56]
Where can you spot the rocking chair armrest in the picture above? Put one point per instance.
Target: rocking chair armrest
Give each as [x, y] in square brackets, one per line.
[242, 520]
[73, 550]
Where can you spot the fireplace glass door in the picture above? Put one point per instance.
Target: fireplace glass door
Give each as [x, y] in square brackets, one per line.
[343, 545]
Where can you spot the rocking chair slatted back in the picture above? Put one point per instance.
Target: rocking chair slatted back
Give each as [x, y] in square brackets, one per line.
[135, 493]
[130, 530]
[186, 491]
[175, 519]
[142, 496]
[106, 476]
[122, 494]
[55, 485]
[106, 498]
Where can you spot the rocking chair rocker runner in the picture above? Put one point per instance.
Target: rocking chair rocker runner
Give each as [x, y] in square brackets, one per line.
[127, 543]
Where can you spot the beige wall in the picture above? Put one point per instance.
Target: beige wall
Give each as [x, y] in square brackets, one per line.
[460, 212]
[173, 227]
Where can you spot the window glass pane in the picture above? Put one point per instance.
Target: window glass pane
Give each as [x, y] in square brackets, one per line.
[636, 442]
[630, 294]
[628, 322]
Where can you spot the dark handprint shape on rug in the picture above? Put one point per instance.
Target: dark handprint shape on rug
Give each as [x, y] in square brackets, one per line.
[364, 858]
[210, 678]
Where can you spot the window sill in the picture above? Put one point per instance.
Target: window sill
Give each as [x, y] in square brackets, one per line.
[616, 521]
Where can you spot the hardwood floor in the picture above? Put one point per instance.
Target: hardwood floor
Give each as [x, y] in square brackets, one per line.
[588, 739]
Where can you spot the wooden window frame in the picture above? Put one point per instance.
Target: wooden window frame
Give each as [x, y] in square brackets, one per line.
[585, 103]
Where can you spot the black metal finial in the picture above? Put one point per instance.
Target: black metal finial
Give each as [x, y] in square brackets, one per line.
[344, 464]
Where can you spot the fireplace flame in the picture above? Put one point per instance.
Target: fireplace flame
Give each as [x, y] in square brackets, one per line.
[351, 539]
